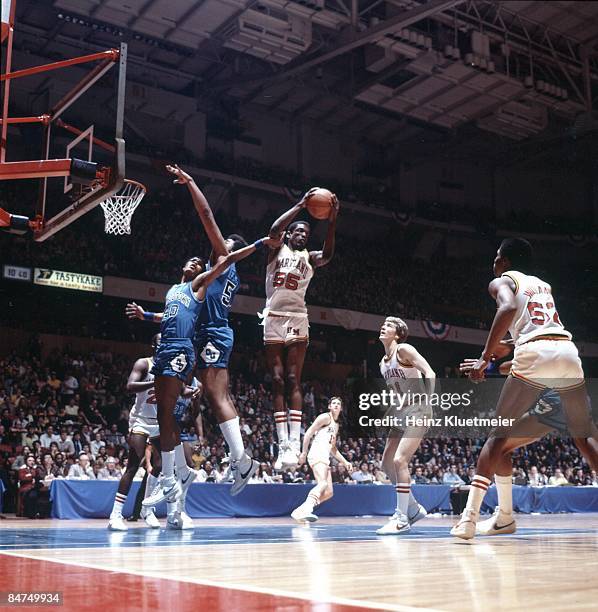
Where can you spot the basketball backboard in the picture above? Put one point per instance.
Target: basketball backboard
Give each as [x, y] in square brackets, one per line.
[89, 169]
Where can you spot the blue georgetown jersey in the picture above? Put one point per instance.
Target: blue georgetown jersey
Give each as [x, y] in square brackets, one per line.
[180, 312]
[219, 300]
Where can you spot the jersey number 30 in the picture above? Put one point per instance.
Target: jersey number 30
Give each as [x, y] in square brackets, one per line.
[289, 281]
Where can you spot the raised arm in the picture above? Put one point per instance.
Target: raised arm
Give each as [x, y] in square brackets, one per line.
[321, 258]
[205, 278]
[138, 373]
[409, 354]
[203, 210]
[281, 224]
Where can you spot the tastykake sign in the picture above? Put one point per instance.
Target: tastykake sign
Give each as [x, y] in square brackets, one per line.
[67, 280]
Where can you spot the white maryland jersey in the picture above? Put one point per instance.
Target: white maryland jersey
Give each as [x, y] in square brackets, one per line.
[287, 279]
[401, 377]
[536, 313]
[141, 407]
[324, 441]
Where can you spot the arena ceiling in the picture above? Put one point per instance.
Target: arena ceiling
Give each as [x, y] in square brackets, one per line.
[401, 73]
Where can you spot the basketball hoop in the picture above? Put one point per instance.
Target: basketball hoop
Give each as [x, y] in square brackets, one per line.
[119, 208]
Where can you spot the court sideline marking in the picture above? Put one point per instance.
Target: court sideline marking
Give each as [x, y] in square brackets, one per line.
[231, 585]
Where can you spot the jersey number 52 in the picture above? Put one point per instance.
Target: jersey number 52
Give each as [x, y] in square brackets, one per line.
[289, 281]
[540, 314]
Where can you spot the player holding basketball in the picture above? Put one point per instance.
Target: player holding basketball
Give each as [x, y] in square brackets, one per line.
[286, 328]
[175, 360]
[544, 357]
[545, 416]
[214, 337]
[406, 372]
[323, 431]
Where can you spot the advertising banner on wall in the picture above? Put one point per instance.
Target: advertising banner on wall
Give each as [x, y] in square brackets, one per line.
[67, 280]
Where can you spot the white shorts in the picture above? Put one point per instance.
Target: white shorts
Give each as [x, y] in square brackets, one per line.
[318, 457]
[285, 329]
[553, 364]
[146, 426]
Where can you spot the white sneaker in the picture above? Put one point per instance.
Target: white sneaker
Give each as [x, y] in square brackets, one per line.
[465, 528]
[499, 523]
[170, 489]
[417, 516]
[187, 521]
[188, 481]
[117, 523]
[290, 458]
[303, 514]
[395, 526]
[282, 449]
[147, 514]
[242, 475]
[179, 521]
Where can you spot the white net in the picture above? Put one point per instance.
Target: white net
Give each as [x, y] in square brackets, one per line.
[119, 208]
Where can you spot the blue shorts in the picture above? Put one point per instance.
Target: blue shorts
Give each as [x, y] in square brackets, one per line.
[174, 358]
[187, 437]
[214, 347]
[549, 411]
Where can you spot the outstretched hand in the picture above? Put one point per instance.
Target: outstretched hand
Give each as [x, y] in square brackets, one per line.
[334, 208]
[274, 243]
[192, 392]
[477, 369]
[306, 196]
[134, 311]
[182, 177]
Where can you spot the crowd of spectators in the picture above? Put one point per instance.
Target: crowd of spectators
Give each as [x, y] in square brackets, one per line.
[66, 416]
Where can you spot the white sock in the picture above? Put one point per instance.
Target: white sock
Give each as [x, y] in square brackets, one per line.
[119, 502]
[282, 430]
[232, 434]
[403, 489]
[312, 501]
[295, 425]
[504, 490]
[182, 469]
[171, 508]
[413, 503]
[150, 484]
[168, 464]
[182, 502]
[477, 491]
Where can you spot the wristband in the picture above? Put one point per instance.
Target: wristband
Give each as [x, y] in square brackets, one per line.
[149, 316]
[258, 244]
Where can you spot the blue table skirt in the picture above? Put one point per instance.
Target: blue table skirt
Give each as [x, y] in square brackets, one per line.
[549, 500]
[93, 499]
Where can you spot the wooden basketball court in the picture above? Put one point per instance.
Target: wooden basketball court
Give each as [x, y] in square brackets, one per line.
[274, 564]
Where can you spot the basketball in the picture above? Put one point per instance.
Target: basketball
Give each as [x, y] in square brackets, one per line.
[319, 204]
